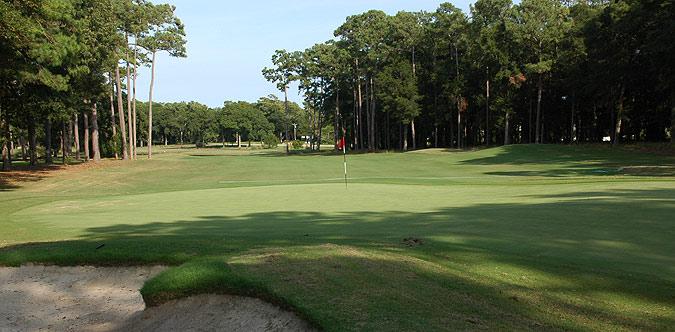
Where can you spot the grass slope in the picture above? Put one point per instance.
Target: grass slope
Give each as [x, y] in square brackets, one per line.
[516, 238]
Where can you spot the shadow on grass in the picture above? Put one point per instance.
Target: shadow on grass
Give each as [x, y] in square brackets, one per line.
[578, 160]
[22, 173]
[598, 260]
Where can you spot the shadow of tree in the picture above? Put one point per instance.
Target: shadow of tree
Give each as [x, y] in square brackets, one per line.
[577, 160]
[20, 174]
[587, 257]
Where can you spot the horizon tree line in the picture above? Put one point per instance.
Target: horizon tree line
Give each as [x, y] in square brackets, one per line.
[537, 72]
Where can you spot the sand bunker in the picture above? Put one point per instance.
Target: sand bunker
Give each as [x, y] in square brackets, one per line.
[85, 298]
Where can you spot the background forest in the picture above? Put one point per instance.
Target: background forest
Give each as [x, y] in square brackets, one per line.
[540, 71]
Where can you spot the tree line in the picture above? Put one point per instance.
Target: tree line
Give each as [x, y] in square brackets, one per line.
[541, 71]
[240, 122]
[63, 62]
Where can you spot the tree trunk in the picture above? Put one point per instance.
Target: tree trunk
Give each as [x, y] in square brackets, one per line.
[337, 130]
[672, 114]
[459, 125]
[77, 138]
[318, 139]
[285, 115]
[619, 117]
[572, 120]
[132, 144]
[360, 118]
[6, 148]
[387, 131]
[22, 142]
[412, 127]
[541, 139]
[507, 130]
[538, 124]
[48, 142]
[32, 137]
[120, 112]
[152, 83]
[70, 137]
[459, 101]
[435, 136]
[355, 121]
[64, 142]
[94, 134]
[529, 122]
[400, 136]
[112, 115]
[487, 109]
[134, 97]
[310, 120]
[366, 144]
[373, 104]
[404, 137]
[87, 153]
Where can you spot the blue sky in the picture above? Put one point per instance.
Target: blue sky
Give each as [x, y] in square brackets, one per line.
[229, 42]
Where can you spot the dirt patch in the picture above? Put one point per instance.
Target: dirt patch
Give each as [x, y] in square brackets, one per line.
[97, 299]
[413, 241]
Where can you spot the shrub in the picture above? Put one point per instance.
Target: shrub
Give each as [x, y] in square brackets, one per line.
[297, 144]
[270, 140]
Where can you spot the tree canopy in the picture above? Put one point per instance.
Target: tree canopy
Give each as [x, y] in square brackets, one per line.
[539, 71]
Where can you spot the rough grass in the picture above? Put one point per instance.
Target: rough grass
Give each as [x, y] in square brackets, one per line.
[515, 238]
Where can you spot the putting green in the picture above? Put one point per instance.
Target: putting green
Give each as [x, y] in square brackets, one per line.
[529, 217]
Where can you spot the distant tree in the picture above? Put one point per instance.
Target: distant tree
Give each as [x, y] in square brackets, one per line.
[409, 29]
[449, 24]
[166, 34]
[490, 46]
[538, 25]
[245, 120]
[366, 36]
[200, 121]
[398, 93]
[282, 74]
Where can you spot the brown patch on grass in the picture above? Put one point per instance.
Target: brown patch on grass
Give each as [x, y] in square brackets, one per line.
[649, 170]
[664, 148]
[14, 178]
[23, 174]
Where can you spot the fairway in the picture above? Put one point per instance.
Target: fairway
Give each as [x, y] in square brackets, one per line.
[515, 238]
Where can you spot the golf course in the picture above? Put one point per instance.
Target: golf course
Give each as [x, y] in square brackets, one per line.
[514, 238]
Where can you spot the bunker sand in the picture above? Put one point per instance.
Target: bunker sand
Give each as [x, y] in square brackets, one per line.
[102, 299]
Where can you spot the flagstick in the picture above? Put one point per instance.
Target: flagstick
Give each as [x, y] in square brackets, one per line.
[344, 157]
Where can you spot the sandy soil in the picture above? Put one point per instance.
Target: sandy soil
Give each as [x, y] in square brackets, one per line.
[97, 299]
[210, 312]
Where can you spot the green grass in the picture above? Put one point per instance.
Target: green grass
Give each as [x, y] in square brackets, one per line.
[516, 238]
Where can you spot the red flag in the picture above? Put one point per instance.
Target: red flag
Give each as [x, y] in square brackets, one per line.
[342, 143]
